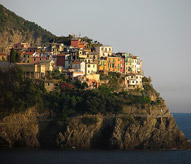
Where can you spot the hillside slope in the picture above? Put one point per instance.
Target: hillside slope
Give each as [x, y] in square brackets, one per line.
[14, 28]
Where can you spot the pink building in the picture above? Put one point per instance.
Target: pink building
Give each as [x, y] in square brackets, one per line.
[122, 64]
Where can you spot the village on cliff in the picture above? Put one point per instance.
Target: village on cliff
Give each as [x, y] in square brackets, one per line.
[78, 61]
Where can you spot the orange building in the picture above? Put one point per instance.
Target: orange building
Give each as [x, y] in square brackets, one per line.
[113, 64]
[77, 42]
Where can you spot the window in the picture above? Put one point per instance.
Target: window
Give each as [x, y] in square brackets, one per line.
[131, 76]
[28, 61]
[34, 59]
[88, 65]
[109, 49]
[113, 65]
[40, 58]
[28, 56]
[24, 56]
[105, 49]
[94, 66]
[113, 59]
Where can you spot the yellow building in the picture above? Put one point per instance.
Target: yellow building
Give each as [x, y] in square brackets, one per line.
[113, 64]
[27, 57]
[3, 57]
[35, 71]
[82, 54]
[56, 48]
[102, 66]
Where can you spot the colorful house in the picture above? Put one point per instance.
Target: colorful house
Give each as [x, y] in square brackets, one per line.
[91, 68]
[122, 63]
[35, 71]
[92, 80]
[104, 51]
[27, 57]
[56, 48]
[102, 66]
[79, 43]
[133, 81]
[113, 64]
[78, 66]
[60, 60]
[32, 49]
[20, 46]
[3, 57]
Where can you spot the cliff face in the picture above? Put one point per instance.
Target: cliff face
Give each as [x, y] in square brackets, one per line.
[106, 132]
[19, 130]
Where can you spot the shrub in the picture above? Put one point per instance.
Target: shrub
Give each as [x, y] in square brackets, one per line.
[89, 120]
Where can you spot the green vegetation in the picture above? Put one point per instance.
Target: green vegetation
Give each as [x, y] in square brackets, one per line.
[89, 120]
[115, 80]
[18, 94]
[14, 56]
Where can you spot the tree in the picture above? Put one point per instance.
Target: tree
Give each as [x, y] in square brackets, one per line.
[12, 56]
[17, 57]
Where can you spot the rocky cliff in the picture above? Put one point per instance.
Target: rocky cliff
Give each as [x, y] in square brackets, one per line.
[122, 131]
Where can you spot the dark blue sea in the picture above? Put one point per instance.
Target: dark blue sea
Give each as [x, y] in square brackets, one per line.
[103, 157]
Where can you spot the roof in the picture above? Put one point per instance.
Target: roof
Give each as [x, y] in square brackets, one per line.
[75, 39]
[61, 55]
[2, 54]
[76, 62]
[28, 53]
[133, 74]
[32, 47]
[134, 57]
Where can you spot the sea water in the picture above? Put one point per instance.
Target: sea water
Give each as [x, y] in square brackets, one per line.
[99, 156]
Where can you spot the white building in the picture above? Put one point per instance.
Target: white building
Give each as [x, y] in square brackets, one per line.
[79, 66]
[68, 63]
[133, 81]
[91, 68]
[136, 64]
[104, 51]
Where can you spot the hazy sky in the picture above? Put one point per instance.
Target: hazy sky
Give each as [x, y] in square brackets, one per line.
[159, 31]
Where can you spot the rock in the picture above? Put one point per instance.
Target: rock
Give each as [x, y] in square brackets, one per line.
[125, 132]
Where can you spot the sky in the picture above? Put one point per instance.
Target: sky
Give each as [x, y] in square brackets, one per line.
[159, 31]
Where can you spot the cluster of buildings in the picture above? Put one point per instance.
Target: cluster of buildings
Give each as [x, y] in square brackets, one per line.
[79, 61]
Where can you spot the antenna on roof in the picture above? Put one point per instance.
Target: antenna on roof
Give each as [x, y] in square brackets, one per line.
[73, 35]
